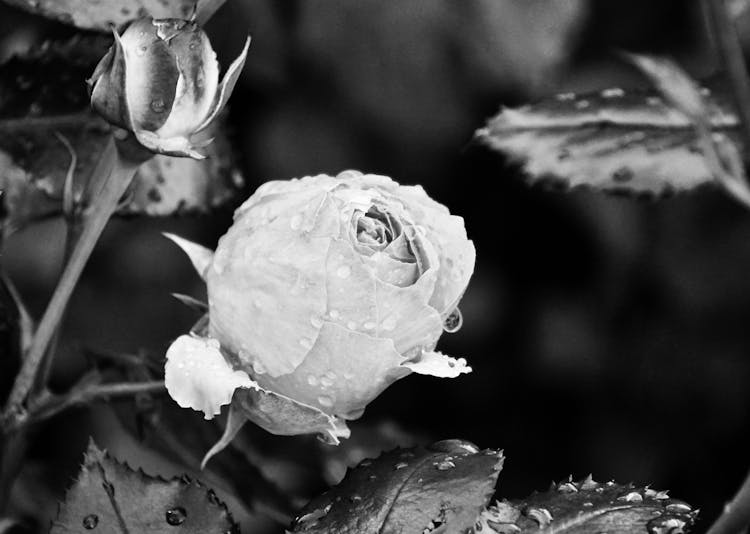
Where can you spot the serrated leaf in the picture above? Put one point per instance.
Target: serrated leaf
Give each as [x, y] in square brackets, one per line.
[112, 498]
[44, 108]
[408, 491]
[589, 507]
[89, 15]
[616, 141]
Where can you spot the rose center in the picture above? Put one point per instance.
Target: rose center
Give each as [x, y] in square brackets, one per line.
[377, 227]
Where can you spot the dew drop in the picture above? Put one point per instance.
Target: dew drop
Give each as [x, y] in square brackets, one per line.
[325, 401]
[141, 50]
[312, 380]
[351, 325]
[296, 222]
[622, 175]
[334, 314]
[665, 525]
[316, 321]
[90, 521]
[258, 367]
[355, 498]
[542, 516]
[176, 516]
[305, 343]
[326, 382]
[400, 465]
[633, 496]
[445, 465]
[582, 104]
[454, 321]
[158, 105]
[344, 271]
[389, 323]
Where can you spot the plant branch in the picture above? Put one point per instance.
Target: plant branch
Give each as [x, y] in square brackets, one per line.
[116, 174]
[731, 58]
[736, 515]
[50, 405]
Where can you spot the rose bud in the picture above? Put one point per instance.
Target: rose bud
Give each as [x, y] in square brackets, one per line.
[160, 80]
[323, 292]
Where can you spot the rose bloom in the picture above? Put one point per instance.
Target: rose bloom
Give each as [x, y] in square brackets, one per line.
[323, 292]
[160, 80]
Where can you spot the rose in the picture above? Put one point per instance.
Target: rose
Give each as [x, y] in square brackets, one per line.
[160, 80]
[323, 292]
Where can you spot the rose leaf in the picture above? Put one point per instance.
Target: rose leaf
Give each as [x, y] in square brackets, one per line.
[410, 491]
[589, 507]
[47, 130]
[89, 15]
[110, 497]
[639, 143]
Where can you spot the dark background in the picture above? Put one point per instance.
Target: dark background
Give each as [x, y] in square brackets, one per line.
[607, 335]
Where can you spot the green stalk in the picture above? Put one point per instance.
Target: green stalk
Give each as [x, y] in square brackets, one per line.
[118, 173]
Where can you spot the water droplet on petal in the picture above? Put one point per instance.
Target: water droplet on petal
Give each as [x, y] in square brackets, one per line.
[369, 325]
[334, 314]
[454, 321]
[389, 323]
[325, 401]
[158, 105]
[351, 325]
[258, 367]
[312, 380]
[325, 381]
[344, 271]
[176, 516]
[296, 222]
[633, 496]
[445, 465]
[141, 50]
[316, 321]
[90, 521]
[306, 343]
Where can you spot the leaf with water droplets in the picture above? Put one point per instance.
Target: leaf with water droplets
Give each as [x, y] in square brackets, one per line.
[589, 507]
[409, 491]
[631, 142]
[111, 498]
[47, 130]
[99, 15]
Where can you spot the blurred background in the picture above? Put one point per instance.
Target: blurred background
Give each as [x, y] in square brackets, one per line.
[607, 335]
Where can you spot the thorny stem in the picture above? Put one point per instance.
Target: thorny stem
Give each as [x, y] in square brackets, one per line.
[732, 60]
[119, 173]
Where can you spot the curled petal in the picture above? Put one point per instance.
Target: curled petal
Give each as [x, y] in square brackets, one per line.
[151, 75]
[172, 146]
[199, 255]
[197, 376]
[107, 94]
[439, 365]
[199, 80]
[226, 87]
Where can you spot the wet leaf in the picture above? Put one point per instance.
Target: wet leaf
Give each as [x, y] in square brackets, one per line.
[632, 142]
[444, 486]
[100, 15]
[109, 497]
[589, 507]
[46, 123]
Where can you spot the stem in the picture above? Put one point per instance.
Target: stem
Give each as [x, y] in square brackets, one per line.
[736, 515]
[732, 60]
[119, 173]
[51, 405]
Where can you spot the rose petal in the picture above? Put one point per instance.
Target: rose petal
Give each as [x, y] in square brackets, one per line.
[198, 82]
[405, 316]
[151, 75]
[438, 364]
[343, 372]
[350, 289]
[393, 271]
[267, 291]
[199, 255]
[197, 376]
[447, 235]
